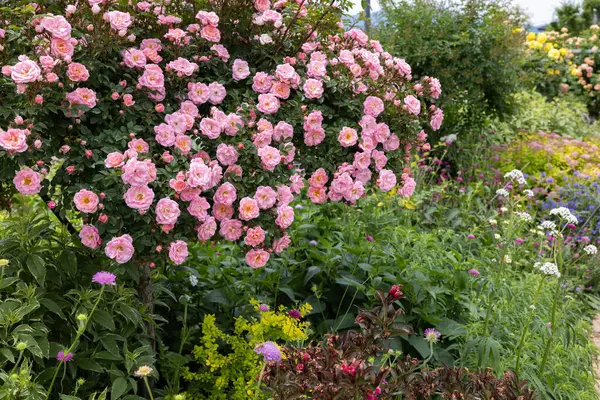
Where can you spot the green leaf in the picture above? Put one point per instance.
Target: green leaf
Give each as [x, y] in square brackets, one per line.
[89, 364]
[312, 271]
[119, 387]
[7, 354]
[68, 262]
[104, 319]
[451, 329]
[36, 266]
[289, 292]
[217, 296]
[110, 344]
[52, 306]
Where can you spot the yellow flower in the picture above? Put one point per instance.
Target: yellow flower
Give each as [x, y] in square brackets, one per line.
[531, 36]
[517, 30]
[3, 262]
[563, 51]
[537, 45]
[553, 53]
[556, 72]
[542, 37]
[547, 47]
[379, 204]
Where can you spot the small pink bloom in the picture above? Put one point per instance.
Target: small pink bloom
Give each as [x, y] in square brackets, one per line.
[27, 181]
[167, 212]
[254, 236]
[373, 106]
[268, 103]
[178, 252]
[120, 249]
[139, 197]
[90, 237]
[248, 209]
[413, 105]
[257, 258]
[86, 201]
[240, 69]
[386, 180]
[231, 229]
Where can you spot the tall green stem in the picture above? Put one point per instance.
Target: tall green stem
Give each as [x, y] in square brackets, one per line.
[262, 371]
[148, 387]
[526, 327]
[79, 333]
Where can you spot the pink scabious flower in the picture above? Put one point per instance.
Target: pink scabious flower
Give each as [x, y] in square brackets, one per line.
[257, 258]
[248, 209]
[265, 197]
[231, 229]
[313, 88]
[225, 194]
[119, 21]
[268, 104]
[77, 72]
[120, 249]
[64, 357]
[86, 201]
[348, 137]
[82, 96]
[473, 272]
[431, 335]
[270, 157]
[58, 26]
[240, 69]
[285, 216]
[183, 67]
[139, 173]
[178, 252]
[105, 278]
[373, 106]
[412, 104]
[14, 140]
[386, 180]
[167, 212]
[436, 119]
[25, 71]
[282, 243]
[254, 236]
[139, 197]
[90, 237]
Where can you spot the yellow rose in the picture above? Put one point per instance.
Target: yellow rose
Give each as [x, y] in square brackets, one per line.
[517, 30]
[542, 37]
[563, 51]
[531, 36]
[553, 53]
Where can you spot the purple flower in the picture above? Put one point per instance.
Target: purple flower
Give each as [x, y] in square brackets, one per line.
[369, 238]
[62, 357]
[269, 351]
[431, 335]
[470, 236]
[295, 314]
[474, 272]
[519, 240]
[263, 308]
[104, 278]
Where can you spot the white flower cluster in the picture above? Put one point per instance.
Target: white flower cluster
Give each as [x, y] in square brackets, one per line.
[523, 216]
[193, 280]
[502, 192]
[449, 139]
[565, 214]
[528, 193]
[590, 249]
[547, 268]
[549, 225]
[493, 222]
[516, 175]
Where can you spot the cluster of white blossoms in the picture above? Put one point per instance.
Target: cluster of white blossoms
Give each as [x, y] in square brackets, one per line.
[590, 249]
[449, 139]
[549, 225]
[493, 222]
[528, 193]
[516, 175]
[502, 192]
[523, 216]
[564, 214]
[547, 268]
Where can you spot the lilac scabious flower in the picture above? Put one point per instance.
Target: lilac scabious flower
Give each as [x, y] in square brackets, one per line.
[269, 351]
[431, 335]
[263, 308]
[62, 357]
[104, 278]
[474, 272]
[470, 236]
[295, 314]
[369, 238]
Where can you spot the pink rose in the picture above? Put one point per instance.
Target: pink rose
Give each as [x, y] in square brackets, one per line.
[362, 160]
[210, 33]
[314, 137]
[217, 93]
[257, 258]
[86, 201]
[348, 137]
[284, 195]
[61, 48]
[82, 96]
[313, 88]
[120, 249]
[139, 197]
[14, 140]
[222, 212]
[153, 77]
[240, 69]
[373, 106]
[167, 212]
[134, 58]
[262, 82]
[342, 183]
[198, 208]
[282, 130]
[207, 229]
[28, 181]
[436, 119]
[285, 216]
[231, 229]
[118, 20]
[413, 105]
[268, 103]
[58, 26]
[225, 194]
[139, 173]
[318, 178]
[248, 209]
[279, 245]
[262, 5]
[198, 174]
[408, 187]
[254, 236]
[386, 180]
[281, 90]
[77, 72]
[210, 128]
[183, 67]
[183, 143]
[392, 143]
[178, 251]
[90, 237]
[227, 155]
[25, 72]
[270, 157]
[317, 195]
[265, 197]
[114, 159]
[232, 124]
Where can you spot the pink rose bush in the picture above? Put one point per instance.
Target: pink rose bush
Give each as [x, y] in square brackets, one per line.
[181, 130]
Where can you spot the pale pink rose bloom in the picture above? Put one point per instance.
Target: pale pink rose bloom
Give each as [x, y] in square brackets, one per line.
[240, 69]
[231, 229]
[120, 249]
[235, 170]
[177, 121]
[139, 197]
[262, 82]
[373, 106]
[82, 96]
[225, 194]
[314, 137]
[189, 194]
[189, 108]
[226, 154]
[362, 160]
[217, 93]
[167, 157]
[25, 72]
[90, 237]
[380, 159]
[28, 181]
[221, 51]
[139, 173]
[232, 124]
[286, 73]
[436, 119]
[114, 159]
[346, 57]
[134, 58]
[270, 157]
[342, 183]
[178, 252]
[207, 229]
[14, 140]
[86, 201]
[153, 77]
[210, 33]
[268, 103]
[265, 197]
[222, 212]
[413, 105]
[382, 133]
[363, 176]
[248, 209]
[297, 183]
[144, 6]
[210, 128]
[165, 135]
[77, 72]
[386, 180]
[58, 26]
[281, 90]
[262, 5]
[264, 125]
[317, 195]
[285, 216]
[167, 212]
[313, 88]
[348, 137]
[176, 35]
[118, 20]
[368, 124]
[290, 150]
[284, 195]
[282, 130]
[254, 236]
[208, 18]
[178, 184]
[257, 258]
[408, 187]
[128, 100]
[263, 139]
[318, 178]
[183, 143]
[392, 143]
[198, 174]
[61, 48]
[183, 67]
[317, 69]
[356, 192]
[279, 245]
[198, 208]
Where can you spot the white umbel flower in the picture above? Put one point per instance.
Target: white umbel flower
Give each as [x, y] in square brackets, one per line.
[564, 214]
[547, 268]
[549, 225]
[528, 193]
[502, 192]
[516, 175]
[523, 216]
[449, 139]
[590, 249]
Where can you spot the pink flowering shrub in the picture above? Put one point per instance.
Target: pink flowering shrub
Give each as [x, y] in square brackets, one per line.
[164, 125]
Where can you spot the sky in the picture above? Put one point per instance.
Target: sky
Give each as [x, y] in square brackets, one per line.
[540, 11]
